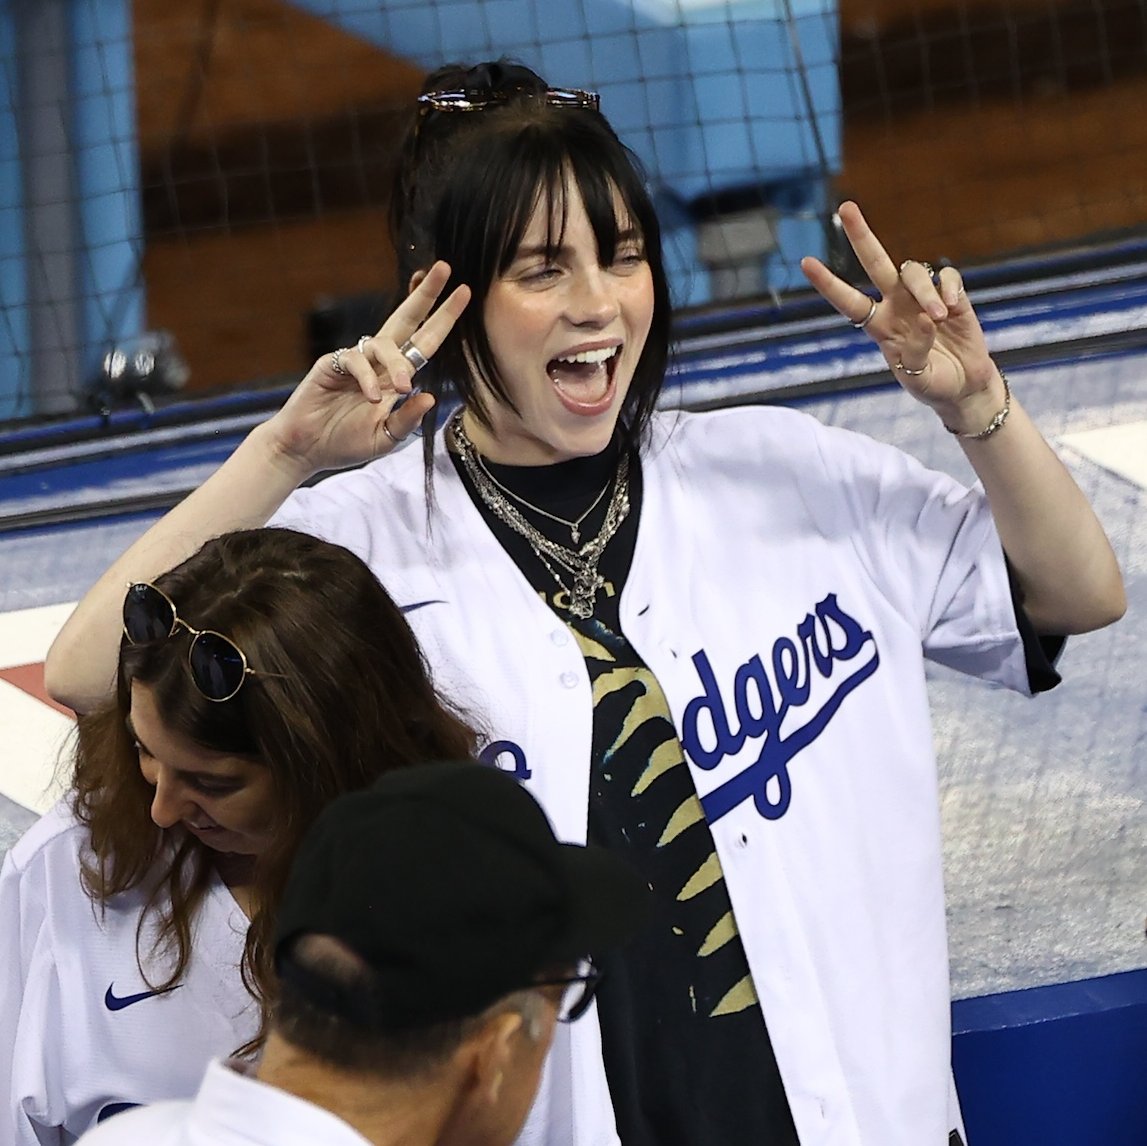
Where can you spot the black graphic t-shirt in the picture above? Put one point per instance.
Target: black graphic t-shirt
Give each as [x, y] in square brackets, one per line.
[687, 1052]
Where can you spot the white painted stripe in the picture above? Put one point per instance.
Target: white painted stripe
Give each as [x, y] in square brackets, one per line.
[26, 634]
[34, 736]
[32, 733]
[1120, 449]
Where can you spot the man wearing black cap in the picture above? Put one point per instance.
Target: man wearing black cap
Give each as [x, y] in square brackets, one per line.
[431, 934]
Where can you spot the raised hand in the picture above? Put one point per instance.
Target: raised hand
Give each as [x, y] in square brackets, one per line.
[343, 412]
[923, 322]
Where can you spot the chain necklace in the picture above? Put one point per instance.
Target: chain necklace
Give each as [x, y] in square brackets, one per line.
[573, 526]
[580, 564]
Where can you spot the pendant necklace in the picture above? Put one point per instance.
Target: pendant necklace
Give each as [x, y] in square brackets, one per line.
[580, 564]
[573, 526]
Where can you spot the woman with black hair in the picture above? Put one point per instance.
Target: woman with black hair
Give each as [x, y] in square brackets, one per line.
[699, 639]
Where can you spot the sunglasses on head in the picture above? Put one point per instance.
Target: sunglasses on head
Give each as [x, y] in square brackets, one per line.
[478, 99]
[218, 665]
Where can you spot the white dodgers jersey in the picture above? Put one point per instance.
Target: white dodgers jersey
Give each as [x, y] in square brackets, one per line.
[83, 1035]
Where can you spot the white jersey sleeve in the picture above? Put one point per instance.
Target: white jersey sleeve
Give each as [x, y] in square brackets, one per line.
[84, 1034]
[932, 545]
[27, 984]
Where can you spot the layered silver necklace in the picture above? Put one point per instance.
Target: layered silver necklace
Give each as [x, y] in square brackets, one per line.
[573, 526]
[580, 564]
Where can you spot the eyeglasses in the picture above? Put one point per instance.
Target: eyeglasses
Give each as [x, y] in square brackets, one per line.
[478, 99]
[580, 989]
[218, 665]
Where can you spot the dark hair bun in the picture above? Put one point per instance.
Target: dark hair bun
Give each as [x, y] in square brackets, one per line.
[503, 76]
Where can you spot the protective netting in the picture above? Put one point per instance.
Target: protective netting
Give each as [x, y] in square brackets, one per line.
[218, 169]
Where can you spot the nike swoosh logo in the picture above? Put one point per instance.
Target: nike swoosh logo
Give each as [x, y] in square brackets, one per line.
[419, 605]
[115, 1002]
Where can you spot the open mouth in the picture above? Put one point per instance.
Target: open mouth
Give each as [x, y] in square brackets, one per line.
[585, 379]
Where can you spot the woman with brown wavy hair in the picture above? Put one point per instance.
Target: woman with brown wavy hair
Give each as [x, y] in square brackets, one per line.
[256, 681]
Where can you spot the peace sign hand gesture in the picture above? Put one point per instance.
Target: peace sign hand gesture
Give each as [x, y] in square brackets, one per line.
[924, 324]
[343, 412]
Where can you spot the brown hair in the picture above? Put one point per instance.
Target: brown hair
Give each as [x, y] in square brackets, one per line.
[340, 695]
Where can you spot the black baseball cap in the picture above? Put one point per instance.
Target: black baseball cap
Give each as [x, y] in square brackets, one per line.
[448, 882]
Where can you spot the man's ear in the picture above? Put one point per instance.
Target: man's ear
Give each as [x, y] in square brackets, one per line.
[494, 1053]
[480, 1069]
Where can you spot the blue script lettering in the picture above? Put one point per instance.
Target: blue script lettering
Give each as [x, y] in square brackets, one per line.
[826, 636]
[496, 752]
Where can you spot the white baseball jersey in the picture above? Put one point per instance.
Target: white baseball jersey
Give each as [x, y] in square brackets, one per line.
[82, 1035]
[231, 1109]
[787, 584]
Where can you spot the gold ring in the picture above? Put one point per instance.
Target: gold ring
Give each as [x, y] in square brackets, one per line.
[909, 371]
[386, 431]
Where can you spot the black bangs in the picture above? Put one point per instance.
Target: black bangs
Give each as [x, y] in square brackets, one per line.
[538, 179]
[605, 195]
[478, 189]
[559, 163]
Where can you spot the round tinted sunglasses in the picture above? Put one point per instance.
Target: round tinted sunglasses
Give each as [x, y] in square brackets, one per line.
[218, 665]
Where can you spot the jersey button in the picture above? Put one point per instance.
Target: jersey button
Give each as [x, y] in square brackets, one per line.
[569, 679]
[560, 637]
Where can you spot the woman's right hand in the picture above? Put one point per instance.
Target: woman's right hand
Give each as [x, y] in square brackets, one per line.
[331, 420]
[343, 412]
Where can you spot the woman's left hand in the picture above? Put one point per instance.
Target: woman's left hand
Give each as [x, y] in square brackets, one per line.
[924, 324]
[930, 336]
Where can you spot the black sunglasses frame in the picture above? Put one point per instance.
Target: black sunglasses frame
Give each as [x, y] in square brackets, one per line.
[590, 980]
[201, 657]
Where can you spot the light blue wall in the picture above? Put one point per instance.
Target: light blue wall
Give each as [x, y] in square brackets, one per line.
[709, 96]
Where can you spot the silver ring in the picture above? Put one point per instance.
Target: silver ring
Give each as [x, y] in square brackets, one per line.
[926, 265]
[361, 343]
[909, 371]
[386, 431]
[336, 360]
[867, 318]
[413, 355]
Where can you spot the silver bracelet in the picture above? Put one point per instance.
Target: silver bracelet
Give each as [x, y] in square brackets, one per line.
[1000, 418]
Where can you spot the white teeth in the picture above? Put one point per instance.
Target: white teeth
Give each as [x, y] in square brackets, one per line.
[588, 356]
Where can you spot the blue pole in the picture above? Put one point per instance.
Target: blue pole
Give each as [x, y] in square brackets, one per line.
[110, 225]
[14, 397]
